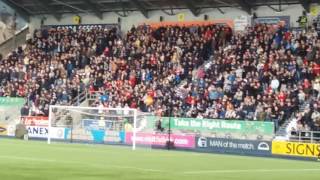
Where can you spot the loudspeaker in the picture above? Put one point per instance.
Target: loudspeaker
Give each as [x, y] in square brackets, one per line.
[76, 20]
[254, 16]
[119, 20]
[161, 18]
[205, 17]
[43, 19]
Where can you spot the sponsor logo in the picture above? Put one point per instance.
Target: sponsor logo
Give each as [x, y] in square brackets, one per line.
[202, 142]
[60, 133]
[114, 136]
[2, 129]
[237, 146]
[11, 130]
[264, 146]
[42, 132]
[37, 131]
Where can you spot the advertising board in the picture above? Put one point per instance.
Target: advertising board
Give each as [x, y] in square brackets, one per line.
[114, 136]
[11, 101]
[235, 146]
[101, 136]
[215, 125]
[295, 149]
[35, 120]
[94, 124]
[240, 23]
[159, 139]
[273, 20]
[42, 132]
[82, 26]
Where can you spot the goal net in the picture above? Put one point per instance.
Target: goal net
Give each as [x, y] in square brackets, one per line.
[94, 125]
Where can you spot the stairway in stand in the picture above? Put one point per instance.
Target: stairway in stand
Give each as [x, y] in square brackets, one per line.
[284, 130]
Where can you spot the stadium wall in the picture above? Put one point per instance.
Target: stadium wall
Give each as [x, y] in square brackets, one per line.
[135, 18]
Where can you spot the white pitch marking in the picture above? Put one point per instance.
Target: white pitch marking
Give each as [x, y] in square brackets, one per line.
[27, 158]
[156, 170]
[135, 168]
[247, 171]
[81, 163]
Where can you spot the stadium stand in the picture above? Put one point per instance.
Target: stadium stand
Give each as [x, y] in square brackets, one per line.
[59, 63]
[266, 73]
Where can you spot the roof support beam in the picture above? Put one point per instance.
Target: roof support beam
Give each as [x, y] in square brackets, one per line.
[220, 10]
[141, 8]
[124, 12]
[191, 5]
[305, 4]
[22, 12]
[94, 7]
[70, 6]
[242, 3]
[245, 6]
[46, 6]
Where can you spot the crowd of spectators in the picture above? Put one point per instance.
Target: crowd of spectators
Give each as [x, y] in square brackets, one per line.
[51, 68]
[59, 63]
[143, 70]
[264, 73]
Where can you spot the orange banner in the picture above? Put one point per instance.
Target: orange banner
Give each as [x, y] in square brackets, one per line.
[228, 22]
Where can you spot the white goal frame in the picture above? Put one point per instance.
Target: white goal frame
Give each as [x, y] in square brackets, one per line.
[135, 113]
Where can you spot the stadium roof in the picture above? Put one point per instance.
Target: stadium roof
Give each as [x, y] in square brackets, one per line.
[27, 8]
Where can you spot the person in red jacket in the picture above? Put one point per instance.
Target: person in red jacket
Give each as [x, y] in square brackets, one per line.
[282, 96]
[316, 69]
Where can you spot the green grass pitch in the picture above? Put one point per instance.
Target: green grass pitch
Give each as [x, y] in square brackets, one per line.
[32, 160]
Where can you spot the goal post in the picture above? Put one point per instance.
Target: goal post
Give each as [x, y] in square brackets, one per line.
[134, 129]
[93, 124]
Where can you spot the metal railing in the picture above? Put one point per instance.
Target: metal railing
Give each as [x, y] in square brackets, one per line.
[81, 97]
[92, 95]
[305, 136]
